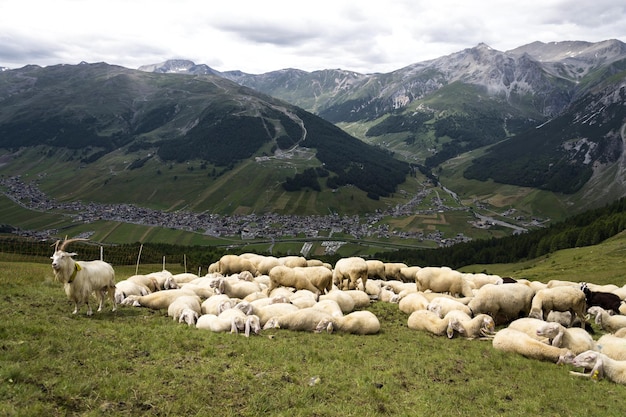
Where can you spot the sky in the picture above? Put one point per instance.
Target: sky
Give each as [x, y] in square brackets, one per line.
[257, 36]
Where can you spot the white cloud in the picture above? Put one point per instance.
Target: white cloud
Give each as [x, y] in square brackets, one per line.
[256, 37]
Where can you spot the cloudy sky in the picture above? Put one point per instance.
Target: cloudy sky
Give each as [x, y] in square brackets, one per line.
[260, 36]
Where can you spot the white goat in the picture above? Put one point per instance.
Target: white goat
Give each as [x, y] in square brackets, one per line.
[83, 278]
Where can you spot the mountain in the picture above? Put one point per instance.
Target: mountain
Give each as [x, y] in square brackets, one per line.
[117, 128]
[435, 110]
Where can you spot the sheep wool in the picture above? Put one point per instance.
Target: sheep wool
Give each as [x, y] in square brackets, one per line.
[514, 341]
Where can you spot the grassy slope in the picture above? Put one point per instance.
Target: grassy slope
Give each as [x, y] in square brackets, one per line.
[139, 362]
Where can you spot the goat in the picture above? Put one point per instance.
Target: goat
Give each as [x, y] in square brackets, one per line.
[606, 300]
[82, 278]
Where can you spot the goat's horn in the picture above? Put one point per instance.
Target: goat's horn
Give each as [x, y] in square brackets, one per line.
[56, 245]
[68, 241]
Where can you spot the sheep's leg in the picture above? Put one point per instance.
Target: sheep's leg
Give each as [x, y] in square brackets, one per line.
[89, 311]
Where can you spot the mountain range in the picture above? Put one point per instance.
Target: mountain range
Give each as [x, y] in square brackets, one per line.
[483, 124]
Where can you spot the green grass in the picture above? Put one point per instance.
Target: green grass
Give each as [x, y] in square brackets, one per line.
[139, 362]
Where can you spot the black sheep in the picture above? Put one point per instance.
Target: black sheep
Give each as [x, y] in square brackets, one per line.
[606, 300]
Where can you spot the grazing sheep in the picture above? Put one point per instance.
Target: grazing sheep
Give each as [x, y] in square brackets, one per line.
[575, 339]
[502, 302]
[393, 270]
[81, 279]
[606, 300]
[375, 269]
[234, 264]
[514, 341]
[358, 322]
[413, 302]
[559, 298]
[320, 276]
[600, 366]
[293, 261]
[612, 346]
[265, 266]
[443, 280]
[306, 319]
[185, 309]
[350, 270]
[297, 278]
[408, 273]
[474, 327]
[443, 305]
[159, 300]
[428, 321]
[606, 321]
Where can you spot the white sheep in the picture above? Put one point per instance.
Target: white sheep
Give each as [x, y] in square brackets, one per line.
[344, 300]
[360, 298]
[358, 322]
[293, 261]
[606, 321]
[575, 339]
[530, 326]
[348, 271]
[185, 309]
[146, 281]
[443, 305]
[306, 319]
[474, 327]
[184, 277]
[408, 273]
[559, 298]
[234, 264]
[600, 366]
[375, 269]
[235, 287]
[297, 278]
[164, 280]
[428, 321]
[413, 302]
[265, 313]
[393, 270]
[303, 298]
[612, 346]
[502, 302]
[443, 280]
[159, 300]
[217, 303]
[81, 279]
[320, 276]
[329, 306]
[514, 341]
[220, 324]
[124, 288]
[480, 279]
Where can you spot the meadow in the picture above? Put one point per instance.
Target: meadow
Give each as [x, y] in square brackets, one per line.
[136, 361]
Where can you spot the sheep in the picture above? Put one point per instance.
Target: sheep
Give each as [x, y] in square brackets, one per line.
[149, 282]
[220, 324]
[344, 300]
[606, 321]
[125, 288]
[361, 299]
[443, 305]
[515, 341]
[184, 277]
[351, 270]
[600, 366]
[606, 300]
[612, 346]
[620, 292]
[375, 269]
[303, 298]
[481, 279]
[392, 270]
[265, 313]
[502, 302]
[185, 309]
[297, 278]
[320, 276]
[157, 300]
[358, 322]
[530, 326]
[443, 280]
[293, 261]
[620, 332]
[329, 306]
[408, 273]
[164, 280]
[234, 264]
[235, 287]
[480, 326]
[413, 302]
[83, 278]
[265, 266]
[431, 322]
[575, 339]
[306, 319]
[560, 298]
[217, 303]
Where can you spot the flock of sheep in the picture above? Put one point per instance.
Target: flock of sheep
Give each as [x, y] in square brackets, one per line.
[249, 292]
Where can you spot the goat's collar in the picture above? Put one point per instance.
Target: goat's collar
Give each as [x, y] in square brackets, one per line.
[76, 269]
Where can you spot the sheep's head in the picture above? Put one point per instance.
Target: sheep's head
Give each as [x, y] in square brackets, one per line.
[188, 316]
[587, 360]
[488, 326]
[549, 330]
[324, 325]
[454, 325]
[253, 325]
[272, 324]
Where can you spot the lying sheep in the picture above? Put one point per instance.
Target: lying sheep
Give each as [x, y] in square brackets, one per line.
[267, 312]
[358, 322]
[606, 321]
[504, 303]
[612, 346]
[360, 298]
[159, 300]
[217, 303]
[530, 326]
[235, 287]
[348, 271]
[443, 280]
[474, 327]
[413, 302]
[575, 339]
[306, 319]
[345, 301]
[481, 279]
[185, 309]
[164, 280]
[428, 321]
[514, 341]
[443, 305]
[297, 278]
[600, 366]
[146, 281]
[125, 288]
